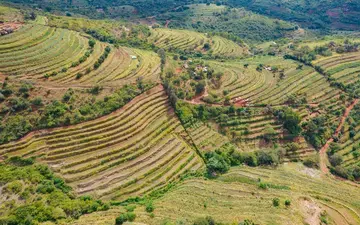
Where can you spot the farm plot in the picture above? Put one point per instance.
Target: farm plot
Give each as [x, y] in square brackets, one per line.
[269, 86]
[35, 50]
[64, 57]
[236, 196]
[122, 65]
[131, 152]
[193, 41]
[206, 138]
[257, 130]
[344, 69]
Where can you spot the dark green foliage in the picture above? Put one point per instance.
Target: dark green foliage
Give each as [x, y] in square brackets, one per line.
[335, 160]
[102, 57]
[51, 200]
[14, 127]
[37, 101]
[267, 158]
[18, 161]
[149, 207]
[200, 87]
[95, 90]
[311, 162]
[290, 119]
[287, 203]
[247, 222]
[162, 55]
[216, 163]
[276, 202]
[316, 131]
[19, 104]
[92, 43]
[129, 216]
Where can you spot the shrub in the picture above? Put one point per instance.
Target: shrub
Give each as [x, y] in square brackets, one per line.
[311, 162]
[37, 101]
[340, 171]
[95, 90]
[92, 43]
[129, 216]
[78, 76]
[335, 160]
[287, 202]
[216, 163]
[149, 207]
[247, 222]
[276, 202]
[250, 159]
[14, 187]
[18, 161]
[263, 185]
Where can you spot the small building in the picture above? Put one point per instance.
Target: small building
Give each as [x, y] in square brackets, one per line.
[133, 57]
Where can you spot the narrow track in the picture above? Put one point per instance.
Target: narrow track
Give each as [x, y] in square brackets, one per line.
[323, 157]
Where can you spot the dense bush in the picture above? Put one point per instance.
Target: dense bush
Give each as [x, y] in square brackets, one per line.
[49, 201]
[291, 120]
[129, 216]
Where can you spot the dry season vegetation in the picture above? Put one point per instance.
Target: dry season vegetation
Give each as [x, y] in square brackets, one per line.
[174, 119]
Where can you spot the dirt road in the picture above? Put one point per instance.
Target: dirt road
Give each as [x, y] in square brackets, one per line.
[323, 156]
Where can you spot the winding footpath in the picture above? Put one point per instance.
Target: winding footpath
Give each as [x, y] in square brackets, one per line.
[323, 156]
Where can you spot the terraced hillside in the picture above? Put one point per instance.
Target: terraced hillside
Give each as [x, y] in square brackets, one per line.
[348, 146]
[64, 57]
[236, 196]
[35, 50]
[131, 152]
[271, 81]
[206, 138]
[170, 39]
[239, 196]
[257, 129]
[122, 65]
[343, 69]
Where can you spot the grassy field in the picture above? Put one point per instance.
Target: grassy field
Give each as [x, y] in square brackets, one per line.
[236, 196]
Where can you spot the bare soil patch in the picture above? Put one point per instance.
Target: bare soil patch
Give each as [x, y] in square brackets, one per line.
[311, 211]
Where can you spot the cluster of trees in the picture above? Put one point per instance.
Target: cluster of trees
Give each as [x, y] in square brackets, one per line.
[193, 81]
[44, 197]
[306, 55]
[102, 57]
[291, 120]
[25, 114]
[221, 160]
[336, 160]
[237, 23]
[303, 12]
[317, 131]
